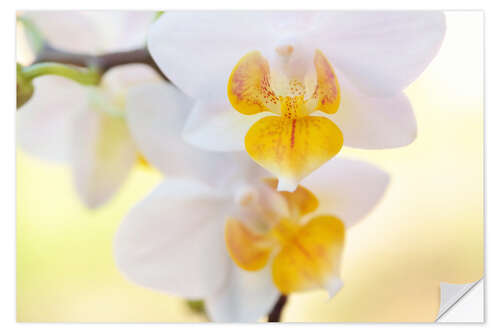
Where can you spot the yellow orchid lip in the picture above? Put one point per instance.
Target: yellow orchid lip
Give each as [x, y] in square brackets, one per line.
[303, 255]
[292, 143]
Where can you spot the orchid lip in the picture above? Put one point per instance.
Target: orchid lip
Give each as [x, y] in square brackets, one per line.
[302, 255]
[293, 143]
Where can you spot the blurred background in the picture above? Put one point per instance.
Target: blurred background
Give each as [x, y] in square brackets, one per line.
[428, 228]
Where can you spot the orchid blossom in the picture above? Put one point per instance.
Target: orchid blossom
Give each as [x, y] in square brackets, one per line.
[87, 127]
[239, 243]
[293, 87]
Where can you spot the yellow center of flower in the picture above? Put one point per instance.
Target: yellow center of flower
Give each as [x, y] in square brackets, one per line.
[304, 255]
[292, 143]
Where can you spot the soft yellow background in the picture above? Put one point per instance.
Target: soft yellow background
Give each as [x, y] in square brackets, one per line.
[428, 228]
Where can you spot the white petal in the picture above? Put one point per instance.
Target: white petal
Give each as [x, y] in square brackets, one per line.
[25, 54]
[44, 123]
[333, 286]
[156, 114]
[287, 185]
[209, 43]
[374, 123]
[245, 297]
[216, 126]
[346, 188]
[121, 30]
[96, 31]
[173, 240]
[63, 28]
[119, 79]
[102, 154]
[381, 52]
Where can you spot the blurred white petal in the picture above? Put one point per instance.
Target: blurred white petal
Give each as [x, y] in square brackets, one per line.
[119, 79]
[24, 51]
[374, 123]
[173, 240]
[156, 115]
[67, 30]
[381, 52]
[245, 296]
[44, 124]
[348, 189]
[216, 126]
[94, 31]
[102, 154]
[121, 30]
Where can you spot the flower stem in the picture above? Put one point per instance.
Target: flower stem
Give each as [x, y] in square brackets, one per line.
[102, 62]
[275, 314]
[99, 64]
[82, 76]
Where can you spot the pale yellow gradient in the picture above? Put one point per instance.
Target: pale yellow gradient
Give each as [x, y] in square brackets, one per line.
[427, 229]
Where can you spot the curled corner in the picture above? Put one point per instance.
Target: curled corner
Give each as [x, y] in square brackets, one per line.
[451, 293]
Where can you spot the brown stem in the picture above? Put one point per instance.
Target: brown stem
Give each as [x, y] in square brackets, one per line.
[102, 62]
[275, 314]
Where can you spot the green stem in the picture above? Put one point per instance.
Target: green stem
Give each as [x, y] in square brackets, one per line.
[82, 76]
[93, 66]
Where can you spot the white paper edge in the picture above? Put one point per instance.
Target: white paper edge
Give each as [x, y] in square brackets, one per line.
[461, 302]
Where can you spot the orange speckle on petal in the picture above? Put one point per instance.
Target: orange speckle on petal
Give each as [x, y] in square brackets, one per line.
[292, 144]
[249, 88]
[315, 141]
[327, 90]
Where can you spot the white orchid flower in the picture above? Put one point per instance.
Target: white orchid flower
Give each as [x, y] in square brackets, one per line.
[87, 127]
[239, 243]
[293, 87]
